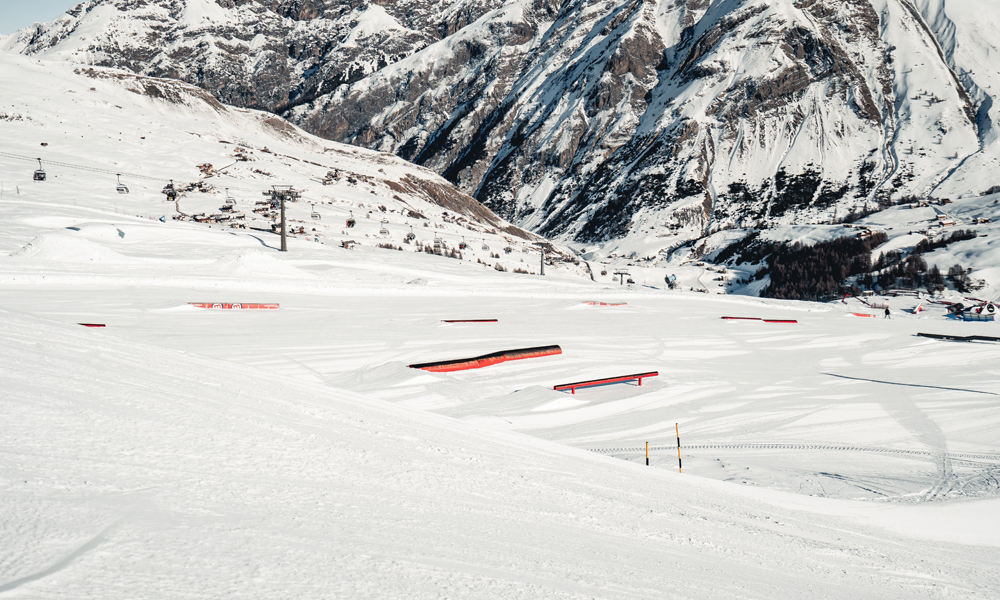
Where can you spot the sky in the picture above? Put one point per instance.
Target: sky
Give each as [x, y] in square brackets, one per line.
[15, 14]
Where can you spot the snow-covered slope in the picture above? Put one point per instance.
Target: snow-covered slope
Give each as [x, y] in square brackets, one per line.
[129, 468]
[152, 131]
[188, 452]
[595, 120]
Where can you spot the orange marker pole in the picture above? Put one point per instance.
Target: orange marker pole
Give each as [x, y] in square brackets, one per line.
[678, 428]
[647, 454]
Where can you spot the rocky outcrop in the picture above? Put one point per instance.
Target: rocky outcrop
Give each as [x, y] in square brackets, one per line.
[593, 119]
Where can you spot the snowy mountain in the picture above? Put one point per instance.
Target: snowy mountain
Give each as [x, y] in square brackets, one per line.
[595, 120]
[268, 55]
[177, 448]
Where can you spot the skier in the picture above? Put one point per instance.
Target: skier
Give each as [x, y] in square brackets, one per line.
[887, 316]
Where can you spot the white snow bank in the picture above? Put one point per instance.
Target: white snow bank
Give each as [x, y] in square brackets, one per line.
[98, 231]
[60, 247]
[971, 522]
[255, 262]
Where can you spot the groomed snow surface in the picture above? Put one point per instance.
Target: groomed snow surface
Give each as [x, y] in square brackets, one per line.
[206, 454]
[182, 452]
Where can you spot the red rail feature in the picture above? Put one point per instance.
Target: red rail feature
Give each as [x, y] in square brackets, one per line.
[468, 320]
[862, 315]
[608, 380]
[861, 300]
[606, 303]
[759, 319]
[486, 360]
[92, 324]
[233, 306]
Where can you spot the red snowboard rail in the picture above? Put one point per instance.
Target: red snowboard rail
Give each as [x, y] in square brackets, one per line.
[579, 384]
[606, 303]
[93, 324]
[468, 320]
[486, 360]
[759, 319]
[233, 306]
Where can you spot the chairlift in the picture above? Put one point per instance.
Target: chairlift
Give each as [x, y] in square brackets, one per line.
[508, 250]
[410, 236]
[40, 173]
[315, 214]
[122, 188]
[485, 245]
[230, 201]
[170, 191]
[382, 230]
[350, 220]
[462, 245]
[604, 272]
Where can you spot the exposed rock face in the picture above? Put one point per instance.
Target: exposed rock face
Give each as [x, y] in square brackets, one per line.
[268, 54]
[596, 119]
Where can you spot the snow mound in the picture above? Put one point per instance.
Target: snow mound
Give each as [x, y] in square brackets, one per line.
[59, 247]
[98, 231]
[392, 374]
[256, 262]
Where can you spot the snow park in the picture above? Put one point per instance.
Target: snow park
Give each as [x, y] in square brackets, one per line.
[245, 359]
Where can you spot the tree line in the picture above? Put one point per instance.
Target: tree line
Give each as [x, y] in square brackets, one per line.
[818, 272]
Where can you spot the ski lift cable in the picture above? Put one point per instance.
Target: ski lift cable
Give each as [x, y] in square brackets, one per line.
[116, 173]
[83, 168]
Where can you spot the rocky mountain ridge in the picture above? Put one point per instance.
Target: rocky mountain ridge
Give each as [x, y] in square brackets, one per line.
[596, 120]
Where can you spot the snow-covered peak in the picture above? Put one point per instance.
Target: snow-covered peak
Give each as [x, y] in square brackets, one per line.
[596, 120]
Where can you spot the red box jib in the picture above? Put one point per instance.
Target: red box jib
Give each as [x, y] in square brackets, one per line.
[234, 305]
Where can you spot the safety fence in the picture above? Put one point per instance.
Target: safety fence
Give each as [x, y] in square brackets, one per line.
[782, 446]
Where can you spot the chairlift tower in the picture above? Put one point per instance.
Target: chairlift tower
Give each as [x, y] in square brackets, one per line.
[622, 275]
[280, 193]
[541, 246]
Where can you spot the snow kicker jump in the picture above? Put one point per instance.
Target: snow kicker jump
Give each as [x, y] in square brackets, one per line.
[607, 380]
[487, 360]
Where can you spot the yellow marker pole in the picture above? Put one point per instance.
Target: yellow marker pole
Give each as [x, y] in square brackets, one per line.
[678, 428]
[647, 454]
